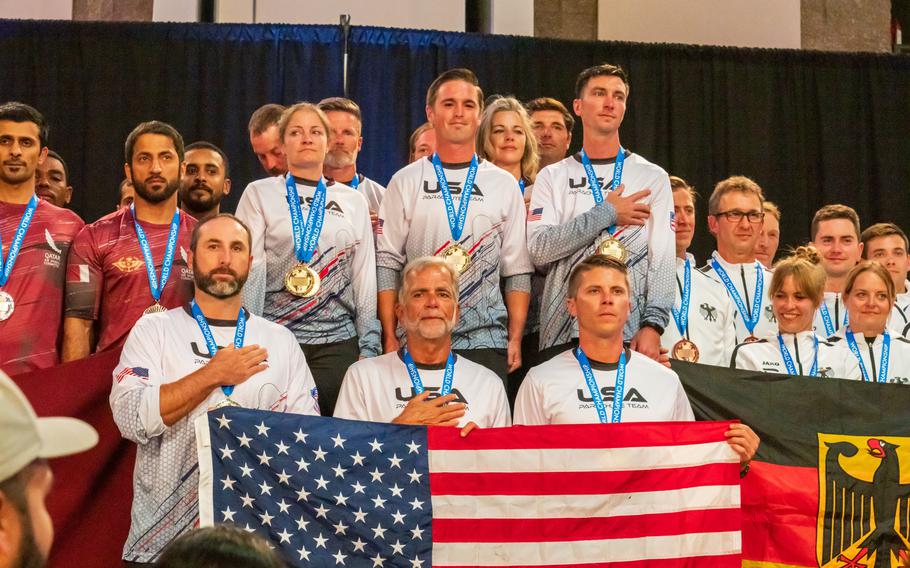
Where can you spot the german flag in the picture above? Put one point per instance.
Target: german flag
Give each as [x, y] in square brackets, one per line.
[830, 485]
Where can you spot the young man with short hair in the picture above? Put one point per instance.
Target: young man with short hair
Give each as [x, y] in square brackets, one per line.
[552, 125]
[52, 180]
[835, 234]
[35, 238]
[886, 243]
[206, 180]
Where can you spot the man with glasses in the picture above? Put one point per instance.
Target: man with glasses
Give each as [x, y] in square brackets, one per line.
[735, 217]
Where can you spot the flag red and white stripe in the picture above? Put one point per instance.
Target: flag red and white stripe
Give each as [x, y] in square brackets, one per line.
[623, 496]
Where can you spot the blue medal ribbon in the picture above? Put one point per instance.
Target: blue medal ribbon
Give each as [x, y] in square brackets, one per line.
[168, 261]
[788, 359]
[306, 236]
[619, 389]
[456, 220]
[355, 183]
[750, 320]
[521, 185]
[239, 333]
[828, 320]
[6, 267]
[594, 183]
[681, 316]
[417, 384]
[883, 363]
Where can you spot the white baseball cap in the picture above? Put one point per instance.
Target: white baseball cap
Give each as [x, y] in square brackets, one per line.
[24, 437]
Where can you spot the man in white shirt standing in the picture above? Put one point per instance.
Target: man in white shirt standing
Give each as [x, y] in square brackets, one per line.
[583, 385]
[578, 208]
[471, 213]
[178, 364]
[835, 235]
[702, 328]
[424, 382]
[735, 216]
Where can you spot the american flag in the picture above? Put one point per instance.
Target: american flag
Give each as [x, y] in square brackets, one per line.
[535, 214]
[673, 221]
[140, 372]
[330, 492]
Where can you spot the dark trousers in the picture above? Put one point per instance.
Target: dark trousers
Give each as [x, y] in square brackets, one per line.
[529, 358]
[492, 359]
[329, 362]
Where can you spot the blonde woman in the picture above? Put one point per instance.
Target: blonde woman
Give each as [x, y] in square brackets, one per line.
[505, 138]
[870, 351]
[797, 289]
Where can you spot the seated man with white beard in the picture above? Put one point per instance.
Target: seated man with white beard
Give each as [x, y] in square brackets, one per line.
[424, 382]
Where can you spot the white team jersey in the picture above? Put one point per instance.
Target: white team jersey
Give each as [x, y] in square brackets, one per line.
[899, 320]
[565, 226]
[710, 326]
[898, 361]
[837, 311]
[370, 189]
[413, 223]
[378, 389]
[345, 305]
[163, 348]
[765, 355]
[743, 277]
[555, 392]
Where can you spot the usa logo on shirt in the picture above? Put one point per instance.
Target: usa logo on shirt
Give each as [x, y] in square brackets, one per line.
[536, 214]
[673, 221]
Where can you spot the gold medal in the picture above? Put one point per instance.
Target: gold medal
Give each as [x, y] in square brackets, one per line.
[7, 305]
[685, 350]
[155, 308]
[457, 257]
[302, 280]
[613, 248]
[228, 402]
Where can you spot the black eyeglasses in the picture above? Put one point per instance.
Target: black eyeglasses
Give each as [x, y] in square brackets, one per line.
[735, 216]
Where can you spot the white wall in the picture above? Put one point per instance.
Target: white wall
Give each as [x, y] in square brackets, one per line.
[742, 23]
[447, 15]
[36, 9]
[175, 11]
[512, 17]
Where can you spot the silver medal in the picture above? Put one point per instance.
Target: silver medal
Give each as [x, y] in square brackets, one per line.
[7, 305]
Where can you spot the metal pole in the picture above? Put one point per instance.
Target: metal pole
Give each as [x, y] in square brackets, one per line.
[345, 22]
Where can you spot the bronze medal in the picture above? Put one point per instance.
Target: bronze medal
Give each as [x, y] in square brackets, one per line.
[7, 305]
[302, 280]
[155, 308]
[685, 350]
[750, 339]
[457, 257]
[613, 248]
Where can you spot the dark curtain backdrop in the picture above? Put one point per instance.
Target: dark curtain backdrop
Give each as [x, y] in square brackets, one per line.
[811, 128]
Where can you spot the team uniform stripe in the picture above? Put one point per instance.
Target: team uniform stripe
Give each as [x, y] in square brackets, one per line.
[582, 529]
[589, 551]
[582, 483]
[588, 459]
[569, 506]
[630, 435]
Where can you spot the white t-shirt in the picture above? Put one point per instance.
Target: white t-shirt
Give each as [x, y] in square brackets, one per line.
[565, 226]
[413, 223]
[555, 392]
[378, 389]
[370, 189]
[744, 281]
[765, 355]
[837, 311]
[163, 348]
[345, 305]
[898, 361]
[711, 327]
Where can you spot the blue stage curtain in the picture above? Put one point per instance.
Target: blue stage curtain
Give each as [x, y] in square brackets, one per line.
[810, 127]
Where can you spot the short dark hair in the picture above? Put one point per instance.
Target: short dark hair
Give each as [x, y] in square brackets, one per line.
[549, 103]
[589, 264]
[153, 127]
[831, 212]
[458, 74]
[194, 239]
[880, 230]
[603, 70]
[20, 112]
[265, 117]
[203, 145]
[341, 104]
[59, 158]
[221, 546]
